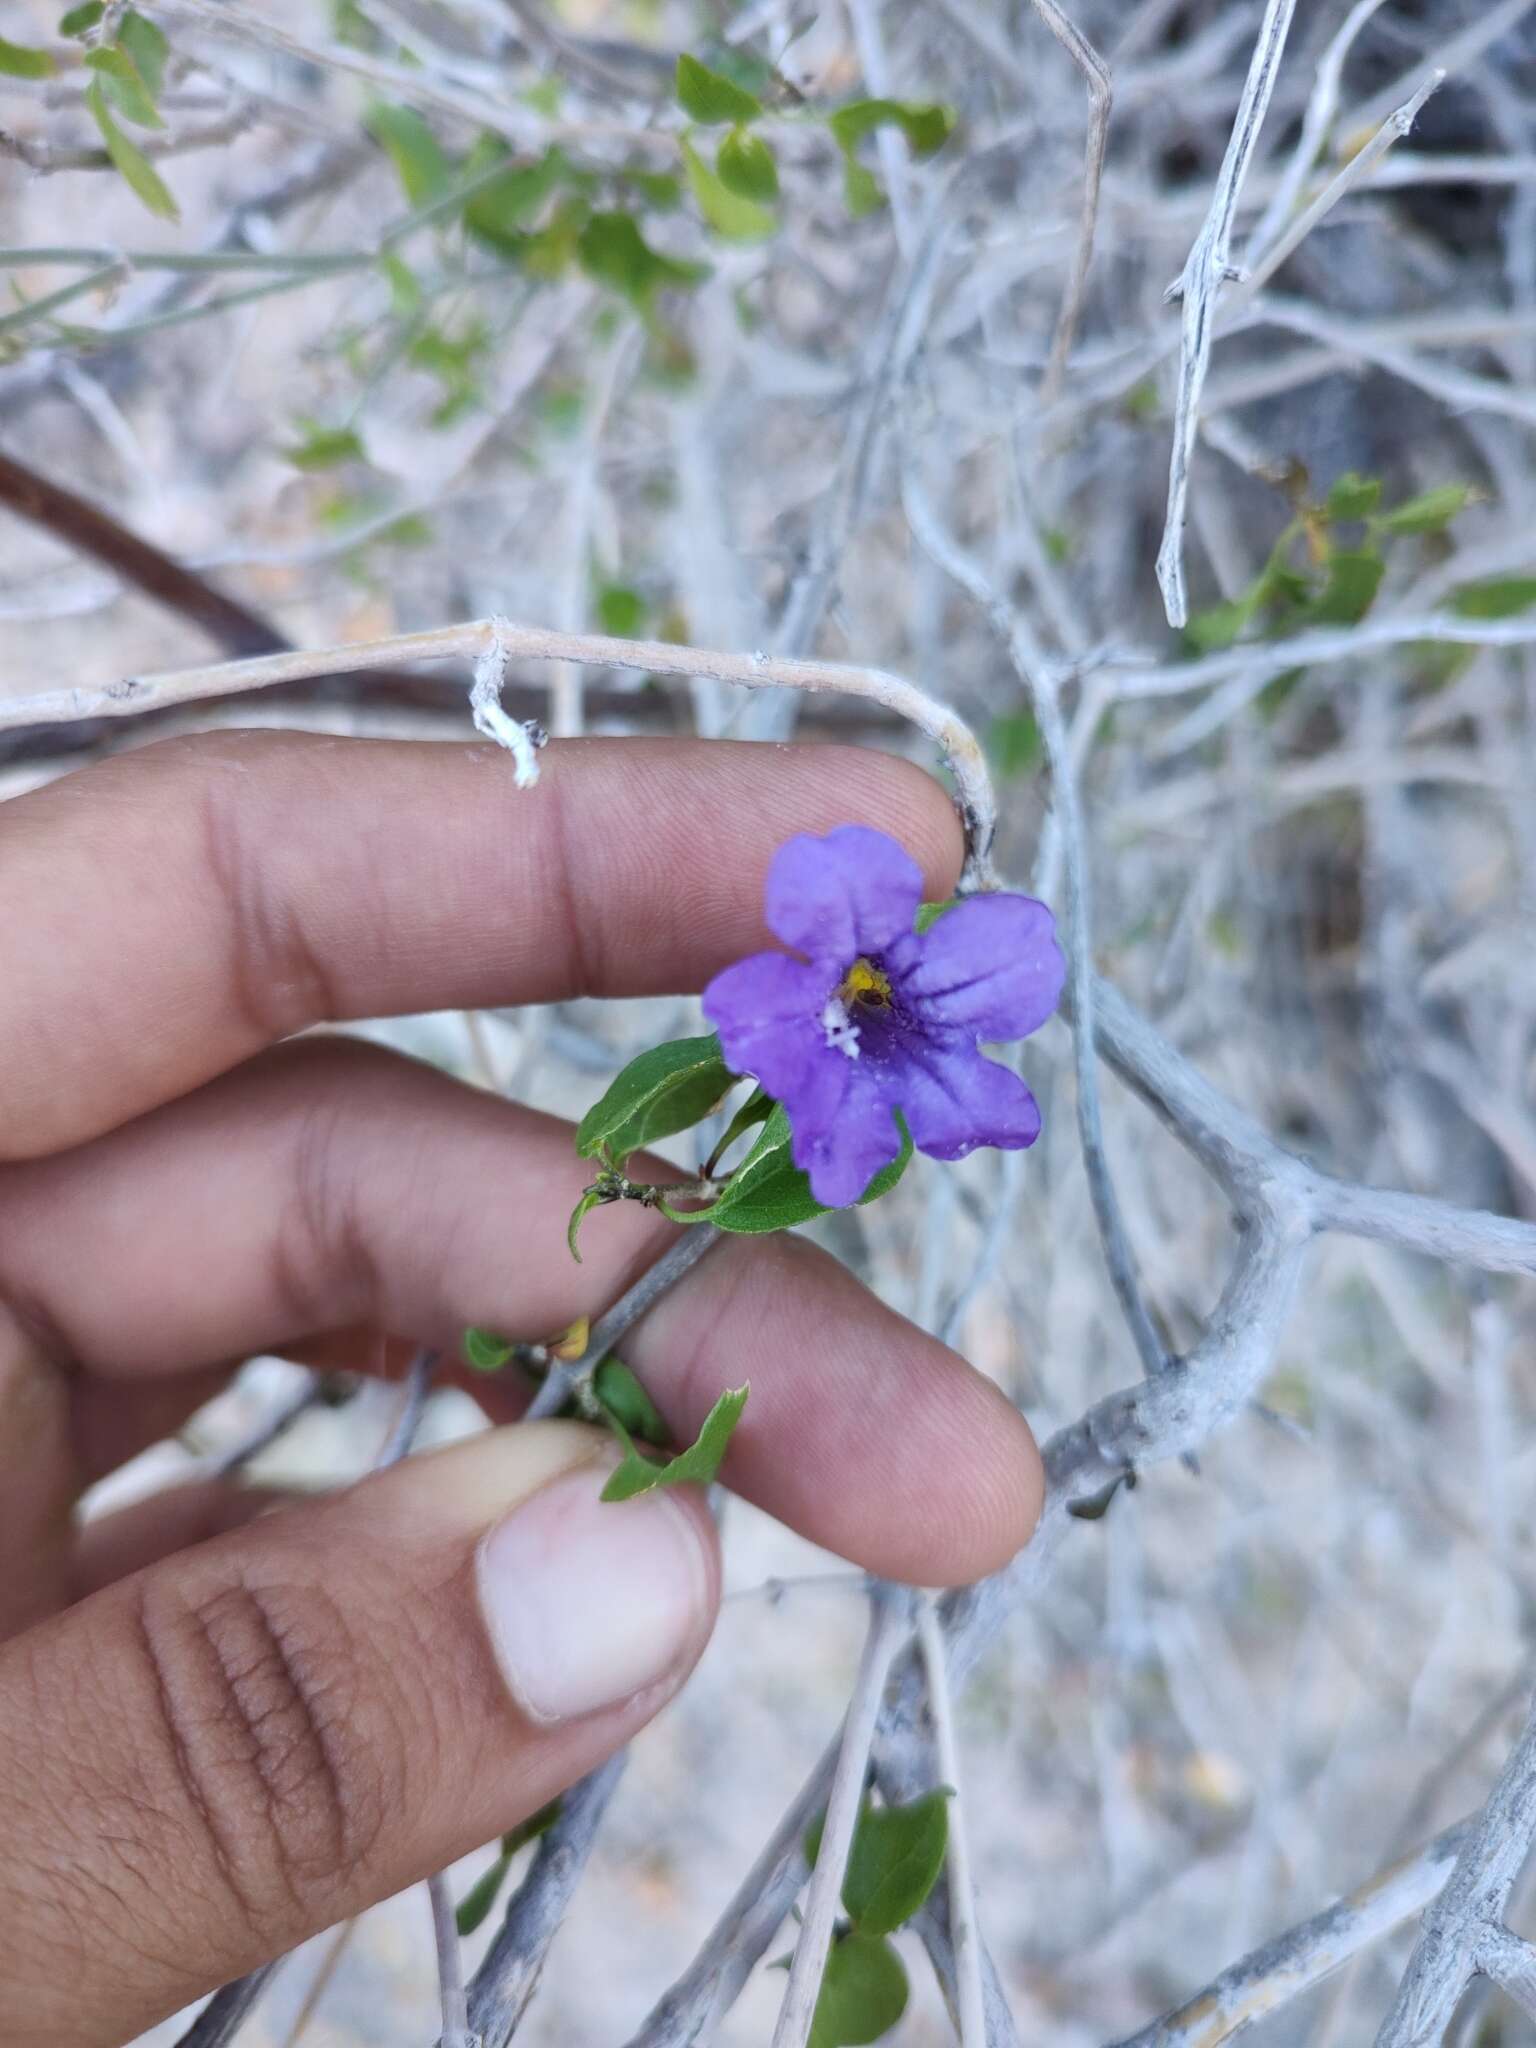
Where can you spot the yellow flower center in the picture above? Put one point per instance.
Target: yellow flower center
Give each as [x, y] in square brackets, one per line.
[864, 983]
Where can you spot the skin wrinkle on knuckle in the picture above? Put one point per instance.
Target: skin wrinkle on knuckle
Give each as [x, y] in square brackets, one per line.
[256, 1686]
[584, 967]
[321, 1262]
[278, 981]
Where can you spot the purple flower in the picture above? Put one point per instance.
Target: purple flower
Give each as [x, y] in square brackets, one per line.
[874, 1018]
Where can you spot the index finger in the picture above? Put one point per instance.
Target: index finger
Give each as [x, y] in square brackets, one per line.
[171, 911]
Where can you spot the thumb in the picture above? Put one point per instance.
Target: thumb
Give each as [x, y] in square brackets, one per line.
[220, 1755]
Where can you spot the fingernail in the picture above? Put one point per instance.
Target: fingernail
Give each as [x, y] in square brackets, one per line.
[590, 1602]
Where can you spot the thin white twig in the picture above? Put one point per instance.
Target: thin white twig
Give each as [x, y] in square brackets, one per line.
[1270, 1977]
[1208, 268]
[494, 640]
[889, 1629]
[450, 1966]
[1322, 106]
[1470, 1908]
[964, 1934]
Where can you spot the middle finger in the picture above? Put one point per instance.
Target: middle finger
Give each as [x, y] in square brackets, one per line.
[328, 1183]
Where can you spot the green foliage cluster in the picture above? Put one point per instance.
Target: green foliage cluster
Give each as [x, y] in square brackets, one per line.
[894, 1863]
[126, 73]
[1326, 569]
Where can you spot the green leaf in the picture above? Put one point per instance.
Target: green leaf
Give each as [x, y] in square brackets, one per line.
[862, 191]
[863, 1992]
[1497, 597]
[481, 1896]
[1218, 626]
[325, 447]
[696, 1466]
[660, 190]
[928, 915]
[627, 1401]
[136, 169]
[737, 219]
[668, 1089]
[1354, 577]
[894, 1861]
[747, 167]
[484, 1351]
[708, 98]
[620, 611]
[1353, 496]
[478, 1901]
[421, 163]
[147, 47]
[116, 71]
[16, 61]
[926, 125]
[497, 215]
[612, 249]
[405, 293]
[589, 1201]
[769, 1192]
[1429, 512]
[897, 1854]
[79, 19]
[1013, 741]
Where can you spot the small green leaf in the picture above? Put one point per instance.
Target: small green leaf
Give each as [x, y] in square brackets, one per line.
[769, 1192]
[863, 192]
[926, 127]
[1429, 512]
[405, 293]
[1354, 577]
[897, 1854]
[1218, 626]
[1013, 741]
[589, 1201]
[894, 1861]
[661, 191]
[737, 219]
[620, 611]
[1497, 597]
[863, 1992]
[79, 19]
[696, 1466]
[484, 1351]
[708, 98]
[147, 47]
[612, 249]
[497, 215]
[136, 169]
[324, 447]
[747, 167]
[668, 1089]
[421, 163]
[928, 915]
[17, 61]
[1353, 496]
[481, 1896]
[116, 71]
[627, 1401]
[478, 1901]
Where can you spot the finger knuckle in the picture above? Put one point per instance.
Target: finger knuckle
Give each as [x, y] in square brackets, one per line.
[257, 1685]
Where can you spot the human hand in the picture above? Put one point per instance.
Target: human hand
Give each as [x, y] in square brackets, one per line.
[224, 1728]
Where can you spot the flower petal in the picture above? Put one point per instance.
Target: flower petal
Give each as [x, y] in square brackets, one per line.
[842, 1138]
[954, 1100]
[990, 967]
[855, 891]
[768, 1010]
